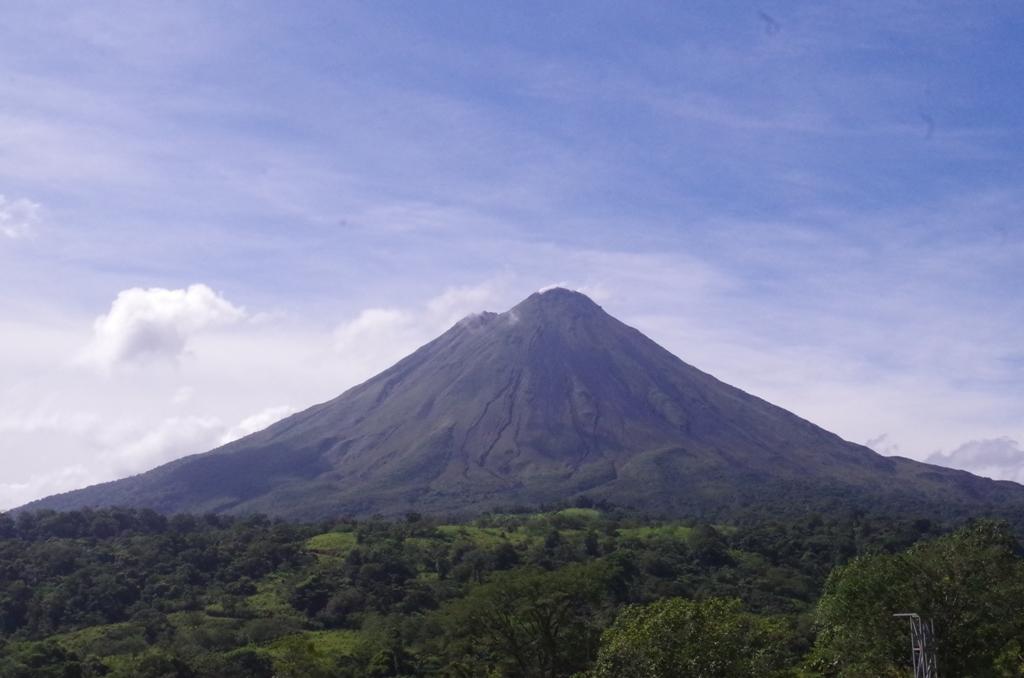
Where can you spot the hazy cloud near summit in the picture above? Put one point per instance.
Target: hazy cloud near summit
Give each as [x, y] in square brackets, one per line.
[156, 323]
[377, 337]
[999, 458]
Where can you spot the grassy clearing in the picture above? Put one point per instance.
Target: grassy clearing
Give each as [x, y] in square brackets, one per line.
[670, 531]
[193, 619]
[483, 536]
[332, 544]
[334, 643]
[586, 513]
[420, 542]
[267, 604]
[104, 639]
[271, 598]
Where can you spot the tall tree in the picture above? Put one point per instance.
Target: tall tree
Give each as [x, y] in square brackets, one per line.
[970, 584]
[678, 637]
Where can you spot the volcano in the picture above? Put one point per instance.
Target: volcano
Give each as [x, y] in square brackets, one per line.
[552, 401]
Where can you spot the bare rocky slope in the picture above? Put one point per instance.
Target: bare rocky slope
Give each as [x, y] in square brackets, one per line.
[548, 401]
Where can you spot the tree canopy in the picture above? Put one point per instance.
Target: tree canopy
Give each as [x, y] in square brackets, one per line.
[567, 591]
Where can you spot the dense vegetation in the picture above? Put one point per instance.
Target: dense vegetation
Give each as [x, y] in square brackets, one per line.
[571, 592]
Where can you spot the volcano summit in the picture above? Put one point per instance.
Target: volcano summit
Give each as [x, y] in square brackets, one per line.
[551, 400]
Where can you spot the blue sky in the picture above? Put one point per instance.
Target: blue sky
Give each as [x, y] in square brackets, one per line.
[217, 213]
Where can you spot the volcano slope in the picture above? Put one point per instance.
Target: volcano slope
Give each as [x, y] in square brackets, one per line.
[549, 401]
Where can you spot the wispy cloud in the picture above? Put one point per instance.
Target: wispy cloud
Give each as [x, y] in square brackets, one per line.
[18, 217]
[115, 448]
[999, 458]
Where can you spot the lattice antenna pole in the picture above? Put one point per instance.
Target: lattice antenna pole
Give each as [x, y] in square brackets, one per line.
[922, 645]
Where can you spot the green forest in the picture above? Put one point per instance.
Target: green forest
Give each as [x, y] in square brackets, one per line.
[584, 591]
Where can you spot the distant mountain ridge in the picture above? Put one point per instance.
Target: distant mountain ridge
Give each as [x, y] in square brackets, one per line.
[551, 400]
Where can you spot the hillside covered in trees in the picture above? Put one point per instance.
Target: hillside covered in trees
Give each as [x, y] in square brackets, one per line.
[585, 591]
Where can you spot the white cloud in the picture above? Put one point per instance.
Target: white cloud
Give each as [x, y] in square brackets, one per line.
[18, 218]
[182, 395]
[256, 422]
[156, 323]
[999, 458]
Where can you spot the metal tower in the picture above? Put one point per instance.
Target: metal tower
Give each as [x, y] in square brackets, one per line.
[922, 645]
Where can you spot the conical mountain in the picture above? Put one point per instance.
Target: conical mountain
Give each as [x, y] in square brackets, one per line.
[550, 400]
